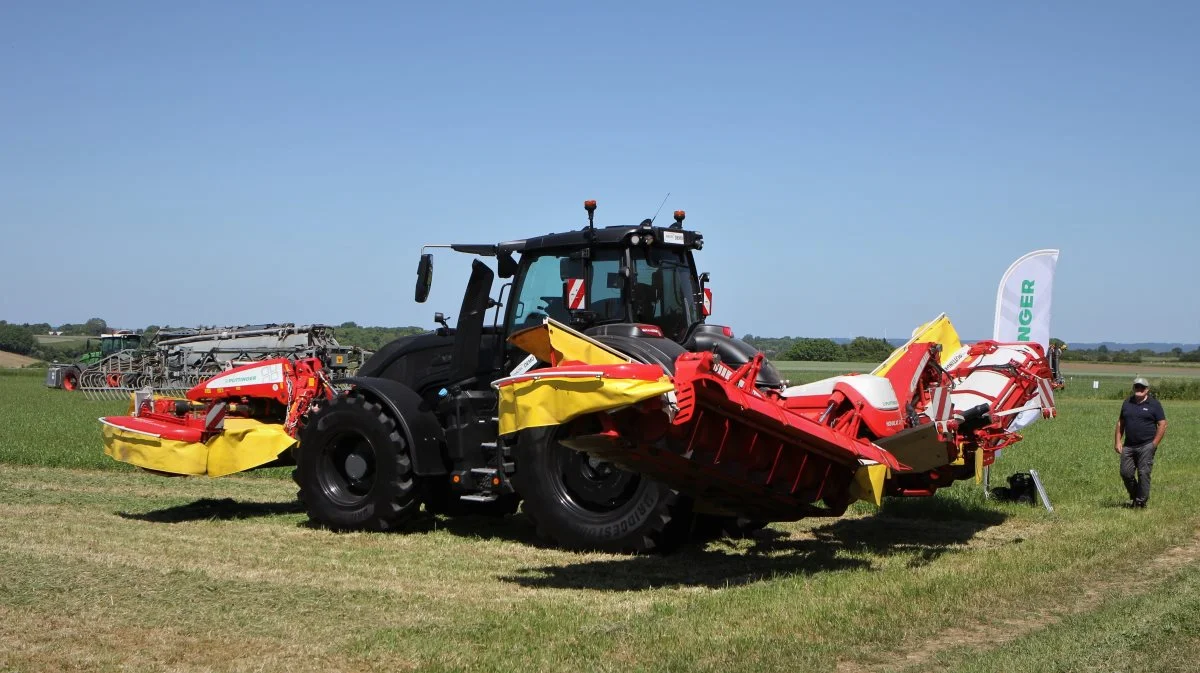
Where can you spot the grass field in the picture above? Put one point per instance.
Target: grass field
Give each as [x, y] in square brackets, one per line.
[110, 569]
[13, 360]
[59, 339]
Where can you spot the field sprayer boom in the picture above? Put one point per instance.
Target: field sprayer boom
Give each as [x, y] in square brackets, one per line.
[176, 360]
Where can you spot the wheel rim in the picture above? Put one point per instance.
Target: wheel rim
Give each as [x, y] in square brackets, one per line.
[69, 382]
[348, 468]
[590, 487]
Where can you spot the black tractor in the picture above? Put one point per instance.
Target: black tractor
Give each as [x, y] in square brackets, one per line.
[418, 424]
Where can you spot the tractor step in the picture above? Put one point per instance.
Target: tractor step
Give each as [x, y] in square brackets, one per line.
[480, 497]
[508, 468]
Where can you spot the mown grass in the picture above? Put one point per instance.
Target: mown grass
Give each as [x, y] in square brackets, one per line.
[114, 569]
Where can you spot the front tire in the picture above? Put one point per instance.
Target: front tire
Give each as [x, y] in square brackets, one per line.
[354, 469]
[583, 504]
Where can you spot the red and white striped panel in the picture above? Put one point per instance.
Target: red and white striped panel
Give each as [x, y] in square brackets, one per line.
[706, 307]
[576, 291]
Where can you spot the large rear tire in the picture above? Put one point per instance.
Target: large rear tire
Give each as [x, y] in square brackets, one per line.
[580, 503]
[70, 378]
[353, 467]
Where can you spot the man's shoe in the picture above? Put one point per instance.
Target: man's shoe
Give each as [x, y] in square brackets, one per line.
[1139, 504]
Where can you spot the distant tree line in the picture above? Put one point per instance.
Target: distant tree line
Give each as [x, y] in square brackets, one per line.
[1102, 353]
[859, 349]
[865, 349]
[371, 338]
[16, 339]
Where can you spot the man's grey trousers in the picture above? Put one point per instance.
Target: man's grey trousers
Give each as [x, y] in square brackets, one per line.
[1136, 463]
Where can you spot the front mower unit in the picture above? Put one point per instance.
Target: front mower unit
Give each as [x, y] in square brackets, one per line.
[245, 418]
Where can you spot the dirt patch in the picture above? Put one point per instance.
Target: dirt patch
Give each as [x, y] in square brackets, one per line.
[921, 653]
[12, 360]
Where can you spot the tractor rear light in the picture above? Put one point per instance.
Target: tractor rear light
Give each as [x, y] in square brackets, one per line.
[651, 331]
[727, 331]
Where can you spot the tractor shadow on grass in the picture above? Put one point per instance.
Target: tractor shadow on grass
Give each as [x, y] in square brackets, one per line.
[214, 509]
[919, 530]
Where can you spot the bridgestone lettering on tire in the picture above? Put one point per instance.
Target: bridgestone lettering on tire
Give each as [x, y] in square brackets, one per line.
[353, 467]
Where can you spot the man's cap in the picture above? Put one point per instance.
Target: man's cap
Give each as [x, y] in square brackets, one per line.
[1141, 381]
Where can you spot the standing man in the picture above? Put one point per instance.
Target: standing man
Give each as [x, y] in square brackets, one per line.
[1143, 424]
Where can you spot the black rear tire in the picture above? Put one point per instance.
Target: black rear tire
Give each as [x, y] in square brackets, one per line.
[70, 378]
[583, 504]
[353, 468]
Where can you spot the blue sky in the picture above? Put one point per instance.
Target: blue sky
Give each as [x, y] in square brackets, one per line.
[856, 168]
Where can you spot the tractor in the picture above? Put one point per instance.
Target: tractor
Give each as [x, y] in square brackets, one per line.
[67, 376]
[417, 425]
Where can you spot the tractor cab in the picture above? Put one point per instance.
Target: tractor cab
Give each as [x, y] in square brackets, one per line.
[117, 342]
[641, 275]
[109, 344]
[634, 287]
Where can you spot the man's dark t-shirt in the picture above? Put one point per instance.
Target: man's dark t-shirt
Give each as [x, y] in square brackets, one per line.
[1141, 420]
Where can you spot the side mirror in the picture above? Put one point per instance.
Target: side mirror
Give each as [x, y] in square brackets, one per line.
[424, 277]
[705, 295]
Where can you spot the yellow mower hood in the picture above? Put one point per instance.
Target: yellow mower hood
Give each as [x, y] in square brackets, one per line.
[558, 394]
[245, 444]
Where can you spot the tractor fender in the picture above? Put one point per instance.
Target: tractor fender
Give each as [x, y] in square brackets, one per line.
[419, 425]
[733, 352]
[655, 351]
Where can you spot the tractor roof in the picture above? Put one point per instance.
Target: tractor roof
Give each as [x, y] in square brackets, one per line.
[581, 238]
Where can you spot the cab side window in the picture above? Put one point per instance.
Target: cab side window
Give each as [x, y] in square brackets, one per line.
[541, 292]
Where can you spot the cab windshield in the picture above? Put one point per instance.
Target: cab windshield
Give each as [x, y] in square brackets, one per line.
[662, 290]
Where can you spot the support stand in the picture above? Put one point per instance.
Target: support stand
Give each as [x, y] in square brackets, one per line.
[1037, 481]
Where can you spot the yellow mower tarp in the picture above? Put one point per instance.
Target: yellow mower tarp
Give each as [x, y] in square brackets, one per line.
[554, 399]
[553, 342]
[245, 444]
[939, 330]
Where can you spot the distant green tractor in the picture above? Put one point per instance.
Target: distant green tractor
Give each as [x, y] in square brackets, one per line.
[67, 376]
